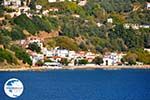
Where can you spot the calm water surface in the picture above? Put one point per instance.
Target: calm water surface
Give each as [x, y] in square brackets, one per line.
[81, 85]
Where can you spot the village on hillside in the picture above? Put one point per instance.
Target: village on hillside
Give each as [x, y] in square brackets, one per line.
[59, 56]
[18, 7]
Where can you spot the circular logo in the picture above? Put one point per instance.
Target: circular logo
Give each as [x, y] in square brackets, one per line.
[13, 88]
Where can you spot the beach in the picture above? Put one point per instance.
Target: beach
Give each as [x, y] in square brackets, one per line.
[84, 67]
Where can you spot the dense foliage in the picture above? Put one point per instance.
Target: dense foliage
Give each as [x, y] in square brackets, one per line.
[34, 47]
[7, 56]
[138, 55]
[21, 54]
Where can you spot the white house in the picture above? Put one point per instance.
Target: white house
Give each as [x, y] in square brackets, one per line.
[99, 24]
[146, 49]
[148, 6]
[82, 2]
[127, 26]
[113, 59]
[23, 9]
[36, 58]
[90, 56]
[109, 20]
[133, 26]
[62, 53]
[108, 61]
[38, 8]
[72, 54]
[144, 26]
[50, 1]
[76, 15]
[15, 3]
[45, 12]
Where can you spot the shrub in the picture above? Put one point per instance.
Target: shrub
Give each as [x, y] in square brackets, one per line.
[34, 47]
[26, 23]
[8, 56]
[98, 60]
[82, 62]
[21, 54]
[64, 61]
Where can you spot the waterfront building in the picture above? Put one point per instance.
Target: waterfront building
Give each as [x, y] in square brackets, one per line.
[113, 59]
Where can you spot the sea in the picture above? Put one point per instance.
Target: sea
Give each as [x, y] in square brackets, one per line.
[127, 84]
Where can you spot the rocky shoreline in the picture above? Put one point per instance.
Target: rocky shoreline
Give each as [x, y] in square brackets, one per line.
[77, 67]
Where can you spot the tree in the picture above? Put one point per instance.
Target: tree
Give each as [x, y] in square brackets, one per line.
[82, 62]
[1, 10]
[64, 61]
[34, 47]
[26, 23]
[131, 58]
[66, 42]
[39, 63]
[32, 5]
[21, 54]
[5, 40]
[98, 60]
[83, 46]
[17, 34]
[8, 56]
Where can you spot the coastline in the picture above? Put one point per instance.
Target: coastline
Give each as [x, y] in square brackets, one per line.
[76, 68]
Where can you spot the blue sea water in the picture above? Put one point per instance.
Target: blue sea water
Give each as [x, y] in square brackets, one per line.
[81, 85]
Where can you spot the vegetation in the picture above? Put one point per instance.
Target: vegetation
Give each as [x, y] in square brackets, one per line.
[67, 43]
[7, 56]
[21, 54]
[34, 47]
[82, 62]
[64, 61]
[98, 60]
[138, 55]
[26, 23]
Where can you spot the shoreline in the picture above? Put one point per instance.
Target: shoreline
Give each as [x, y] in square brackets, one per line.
[76, 68]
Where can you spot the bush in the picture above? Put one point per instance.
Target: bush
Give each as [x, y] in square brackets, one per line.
[82, 62]
[26, 23]
[8, 56]
[39, 63]
[64, 61]
[21, 54]
[34, 47]
[98, 60]
[5, 40]
[138, 55]
[67, 43]
[17, 34]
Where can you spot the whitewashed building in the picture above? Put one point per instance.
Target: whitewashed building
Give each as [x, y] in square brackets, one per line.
[147, 49]
[36, 58]
[148, 6]
[109, 20]
[82, 2]
[15, 3]
[62, 53]
[113, 59]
